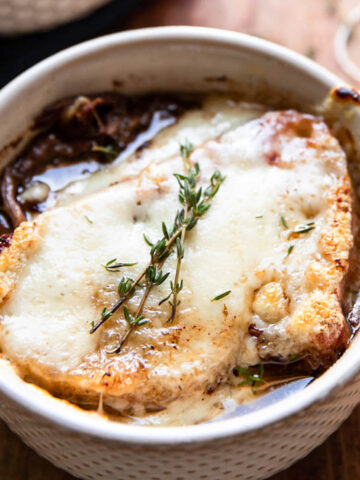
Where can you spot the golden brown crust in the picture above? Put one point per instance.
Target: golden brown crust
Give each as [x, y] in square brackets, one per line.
[129, 383]
[321, 319]
[317, 329]
[12, 257]
[337, 239]
[335, 243]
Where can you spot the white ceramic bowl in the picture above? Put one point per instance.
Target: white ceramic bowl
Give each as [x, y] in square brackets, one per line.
[251, 446]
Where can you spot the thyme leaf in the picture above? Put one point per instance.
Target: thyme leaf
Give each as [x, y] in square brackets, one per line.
[124, 286]
[186, 149]
[105, 314]
[113, 266]
[254, 379]
[283, 221]
[165, 299]
[307, 227]
[147, 240]
[221, 295]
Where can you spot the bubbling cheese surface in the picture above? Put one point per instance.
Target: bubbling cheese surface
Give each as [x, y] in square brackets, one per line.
[284, 173]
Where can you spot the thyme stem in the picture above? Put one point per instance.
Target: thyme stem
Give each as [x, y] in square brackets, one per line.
[175, 292]
[133, 325]
[185, 153]
[138, 279]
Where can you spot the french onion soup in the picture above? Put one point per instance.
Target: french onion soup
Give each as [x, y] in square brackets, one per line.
[164, 258]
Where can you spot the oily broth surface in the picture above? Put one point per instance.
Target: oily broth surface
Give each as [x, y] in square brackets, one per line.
[217, 115]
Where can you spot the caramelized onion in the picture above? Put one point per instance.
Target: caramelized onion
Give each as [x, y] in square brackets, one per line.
[8, 193]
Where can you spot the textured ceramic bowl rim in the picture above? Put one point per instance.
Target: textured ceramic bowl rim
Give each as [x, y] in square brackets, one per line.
[71, 418]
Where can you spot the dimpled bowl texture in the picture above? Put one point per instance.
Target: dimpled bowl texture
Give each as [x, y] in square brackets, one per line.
[250, 446]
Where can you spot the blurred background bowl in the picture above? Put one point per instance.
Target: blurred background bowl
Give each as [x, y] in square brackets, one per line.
[24, 16]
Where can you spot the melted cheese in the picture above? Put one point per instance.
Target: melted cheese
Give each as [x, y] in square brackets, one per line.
[272, 169]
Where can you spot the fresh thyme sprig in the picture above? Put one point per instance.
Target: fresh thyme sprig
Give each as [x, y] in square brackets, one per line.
[257, 381]
[187, 192]
[126, 289]
[195, 203]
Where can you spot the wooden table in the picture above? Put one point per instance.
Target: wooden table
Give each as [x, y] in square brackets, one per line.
[307, 26]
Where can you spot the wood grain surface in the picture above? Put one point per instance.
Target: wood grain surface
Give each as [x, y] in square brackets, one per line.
[307, 26]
